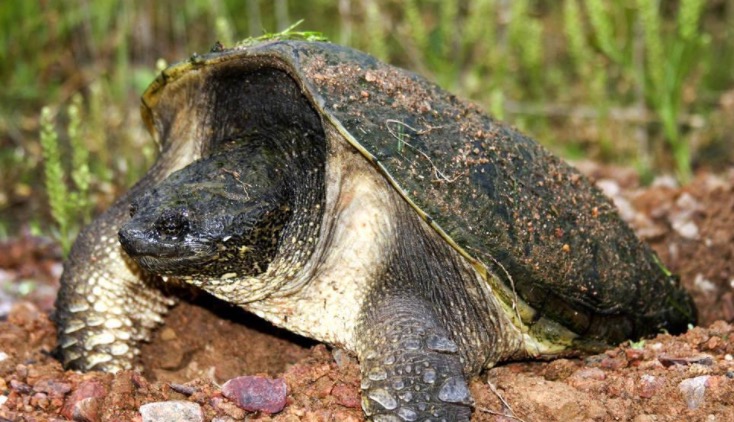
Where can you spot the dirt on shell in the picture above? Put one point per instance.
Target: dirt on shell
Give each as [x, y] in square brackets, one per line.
[206, 342]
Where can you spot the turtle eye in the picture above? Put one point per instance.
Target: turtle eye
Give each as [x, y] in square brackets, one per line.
[172, 224]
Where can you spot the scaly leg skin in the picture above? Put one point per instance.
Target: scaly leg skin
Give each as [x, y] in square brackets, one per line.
[411, 369]
[105, 306]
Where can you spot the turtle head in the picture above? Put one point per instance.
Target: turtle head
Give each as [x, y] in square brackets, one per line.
[221, 214]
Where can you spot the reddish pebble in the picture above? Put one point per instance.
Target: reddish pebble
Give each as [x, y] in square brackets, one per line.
[52, 387]
[649, 385]
[587, 379]
[614, 363]
[590, 373]
[634, 355]
[667, 361]
[87, 389]
[20, 387]
[87, 410]
[254, 393]
[346, 395]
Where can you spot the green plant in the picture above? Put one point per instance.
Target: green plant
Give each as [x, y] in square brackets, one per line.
[70, 208]
[286, 34]
[637, 345]
[669, 62]
[54, 178]
[669, 57]
[581, 76]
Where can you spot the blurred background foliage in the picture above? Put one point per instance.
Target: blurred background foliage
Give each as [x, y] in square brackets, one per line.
[642, 83]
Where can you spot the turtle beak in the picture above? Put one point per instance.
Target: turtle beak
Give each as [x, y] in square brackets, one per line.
[163, 254]
[137, 242]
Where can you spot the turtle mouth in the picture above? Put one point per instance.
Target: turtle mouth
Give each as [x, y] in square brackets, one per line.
[172, 266]
[165, 256]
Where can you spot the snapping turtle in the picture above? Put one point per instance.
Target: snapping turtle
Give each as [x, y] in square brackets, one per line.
[358, 204]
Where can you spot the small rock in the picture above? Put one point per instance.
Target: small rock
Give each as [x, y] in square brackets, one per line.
[186, 390]
[163, 411]
[704, 360]
[665, 181]
[346, 395]
[634, 355]
[222, 405]
[609, 187]
[52, 388]
[21, 371]
[649, 385]
[167, 334]
[40, 400]
[20, 387]
[342, 357]
[254, 393]
[704, 285]
[559, 370]
[587, 379]
[87, 389]
[87, 410]
[693, 390]
[686, 229]
[614, 363]
[590, 373]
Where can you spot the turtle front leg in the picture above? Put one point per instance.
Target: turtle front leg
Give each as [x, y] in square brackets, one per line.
[411, 368]
[105, 306]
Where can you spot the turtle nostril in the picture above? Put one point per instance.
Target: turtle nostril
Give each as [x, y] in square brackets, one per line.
[133, 241]
[125, 239]
[133, 208]
[172, 224]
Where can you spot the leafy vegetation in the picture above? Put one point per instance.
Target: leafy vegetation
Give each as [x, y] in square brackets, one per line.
[70, 208]
[286, 34]
[637, 82]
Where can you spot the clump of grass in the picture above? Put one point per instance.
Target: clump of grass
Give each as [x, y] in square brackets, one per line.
[375, 30]
[576, 73]
[525, 36]
[286, 34]
[658, 69]
[80, 174]
[70, 208]
[667, 72]
[54, 179]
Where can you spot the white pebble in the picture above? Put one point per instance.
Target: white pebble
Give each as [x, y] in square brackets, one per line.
[175, 410]
[693, 390]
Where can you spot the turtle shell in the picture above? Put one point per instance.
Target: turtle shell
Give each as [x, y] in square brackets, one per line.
[544, 238]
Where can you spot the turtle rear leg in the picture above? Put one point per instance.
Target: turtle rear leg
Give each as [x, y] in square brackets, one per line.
[411, 368]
